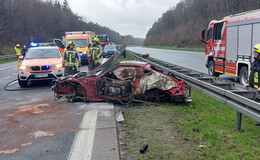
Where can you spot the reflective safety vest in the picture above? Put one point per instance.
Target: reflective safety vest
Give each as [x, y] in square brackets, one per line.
[17, 51]
[254, 76]
[96, 52]
[70, 57]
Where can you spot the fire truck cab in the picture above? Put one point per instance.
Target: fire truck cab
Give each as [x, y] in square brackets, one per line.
[229, 44]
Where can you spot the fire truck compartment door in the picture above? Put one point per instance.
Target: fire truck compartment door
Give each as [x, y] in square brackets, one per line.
[256, 35]
[245, 40]
[231, 43]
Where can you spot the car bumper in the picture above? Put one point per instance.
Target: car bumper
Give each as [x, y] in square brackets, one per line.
[35, 76]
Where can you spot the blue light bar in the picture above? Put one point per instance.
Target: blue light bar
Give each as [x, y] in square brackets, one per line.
[34, 44]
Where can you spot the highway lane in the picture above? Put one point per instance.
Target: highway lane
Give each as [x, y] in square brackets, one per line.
[188, 59]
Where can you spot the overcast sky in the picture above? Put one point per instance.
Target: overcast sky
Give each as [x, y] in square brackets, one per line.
[133, 17]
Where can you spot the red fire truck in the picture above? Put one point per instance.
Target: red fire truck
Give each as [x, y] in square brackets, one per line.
[103, 39]
[229, 44]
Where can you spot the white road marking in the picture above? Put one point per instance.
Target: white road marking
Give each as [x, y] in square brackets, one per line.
[83, 142]
[8, 67]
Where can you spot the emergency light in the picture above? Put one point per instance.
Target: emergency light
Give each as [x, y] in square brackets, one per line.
[34, 44]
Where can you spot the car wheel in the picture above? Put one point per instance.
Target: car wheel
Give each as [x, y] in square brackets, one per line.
[243, 75]
[22, 83]
[211, 69]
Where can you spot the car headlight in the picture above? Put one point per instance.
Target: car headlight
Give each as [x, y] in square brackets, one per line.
[84, 52]
[57, 66]
[22, 67]
[105, 51]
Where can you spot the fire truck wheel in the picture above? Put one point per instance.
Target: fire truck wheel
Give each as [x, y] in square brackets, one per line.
[211, 69]
[243, 75]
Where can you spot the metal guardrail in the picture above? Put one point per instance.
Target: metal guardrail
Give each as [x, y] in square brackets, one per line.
[225, 91]
[6, 57]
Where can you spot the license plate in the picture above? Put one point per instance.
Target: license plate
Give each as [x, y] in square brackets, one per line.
[41, 75]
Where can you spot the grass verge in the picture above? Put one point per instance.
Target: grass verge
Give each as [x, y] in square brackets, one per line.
[176, 48]
[7, 50]
[8, 60]
[202, 129]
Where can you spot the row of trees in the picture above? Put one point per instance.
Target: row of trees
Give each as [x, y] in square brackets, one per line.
[182, 25]
[22, 21]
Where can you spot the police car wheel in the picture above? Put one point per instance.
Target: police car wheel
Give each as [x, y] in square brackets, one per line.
[22, 83]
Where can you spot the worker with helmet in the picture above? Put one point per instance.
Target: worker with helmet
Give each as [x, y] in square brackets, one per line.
[24, 50]
[70, 59]
[95, 54]
[18, 53]
[254, 76]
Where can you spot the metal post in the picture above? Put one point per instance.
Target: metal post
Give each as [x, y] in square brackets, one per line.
[239, 121]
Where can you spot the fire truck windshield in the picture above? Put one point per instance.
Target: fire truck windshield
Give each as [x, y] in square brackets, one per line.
[79, 42]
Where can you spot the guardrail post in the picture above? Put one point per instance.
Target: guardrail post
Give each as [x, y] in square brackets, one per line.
[239, 121]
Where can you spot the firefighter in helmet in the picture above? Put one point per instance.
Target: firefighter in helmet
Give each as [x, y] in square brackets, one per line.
[70, 59]
[18, 53]
[95, 54]
[254, 76]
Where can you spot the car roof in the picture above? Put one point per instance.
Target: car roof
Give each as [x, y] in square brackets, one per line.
[45, 47]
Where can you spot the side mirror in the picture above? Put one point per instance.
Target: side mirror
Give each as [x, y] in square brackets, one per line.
[202, 38]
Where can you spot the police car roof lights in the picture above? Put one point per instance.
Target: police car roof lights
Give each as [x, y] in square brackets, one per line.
[34, 44]
[50, 44]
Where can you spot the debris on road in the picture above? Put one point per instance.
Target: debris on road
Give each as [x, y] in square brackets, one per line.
[123, 144]
[120, 117]
[143, 148]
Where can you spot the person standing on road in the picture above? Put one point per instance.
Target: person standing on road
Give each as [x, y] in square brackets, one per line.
[254, 76]
[18, 53]
[124, 53]
[95, 54]
[70, 59]
[24, 50]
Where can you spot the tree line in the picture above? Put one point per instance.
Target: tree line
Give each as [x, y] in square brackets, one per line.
[22, 21]
[181, 26]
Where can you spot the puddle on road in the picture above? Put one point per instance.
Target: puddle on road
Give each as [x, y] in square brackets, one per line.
[28, 123]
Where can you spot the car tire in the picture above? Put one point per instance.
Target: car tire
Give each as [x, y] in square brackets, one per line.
[22, 83]
[211, 69]
[243, 75]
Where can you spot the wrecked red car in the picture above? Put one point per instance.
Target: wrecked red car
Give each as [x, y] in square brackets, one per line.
[123, 82]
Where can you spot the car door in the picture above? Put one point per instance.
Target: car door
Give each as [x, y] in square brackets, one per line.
[60, 44]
